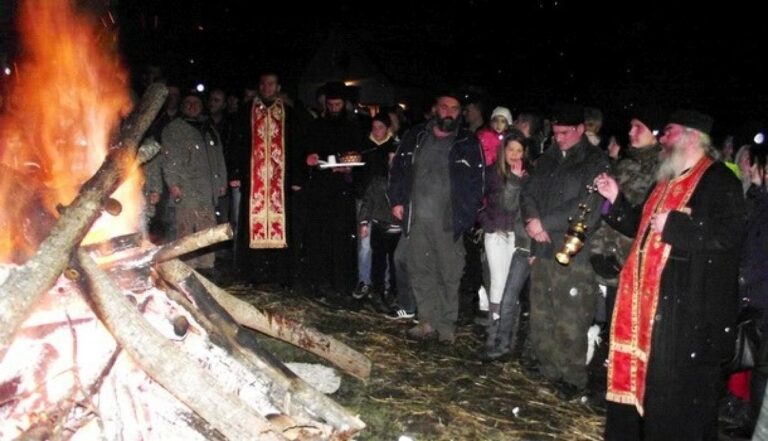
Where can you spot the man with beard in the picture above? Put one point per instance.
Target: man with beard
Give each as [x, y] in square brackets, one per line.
[435, 189]
[330, 239]
[264, 173]
[562, 297]
[675, 315]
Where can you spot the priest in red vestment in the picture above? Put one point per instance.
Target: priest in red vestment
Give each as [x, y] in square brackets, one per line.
[265, 162]
[675, 315]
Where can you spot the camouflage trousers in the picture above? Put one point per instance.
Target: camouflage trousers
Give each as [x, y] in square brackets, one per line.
[562, 302]
[192, 220]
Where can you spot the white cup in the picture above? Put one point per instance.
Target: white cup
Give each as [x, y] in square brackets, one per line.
[331, 159]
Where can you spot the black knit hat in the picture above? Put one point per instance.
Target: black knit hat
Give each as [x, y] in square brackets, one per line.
[567, 114]
[693, 119]
[652, 116]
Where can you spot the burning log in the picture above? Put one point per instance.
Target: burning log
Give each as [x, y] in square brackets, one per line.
[290, 331]
[26, 284]
[164, 362]
[244, 347]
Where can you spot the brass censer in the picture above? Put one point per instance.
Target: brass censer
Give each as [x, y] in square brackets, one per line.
[577, 232]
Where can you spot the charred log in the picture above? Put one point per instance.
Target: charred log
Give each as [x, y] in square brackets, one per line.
[276, 326]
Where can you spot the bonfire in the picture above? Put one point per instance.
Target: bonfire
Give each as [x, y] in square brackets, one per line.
[105, 335]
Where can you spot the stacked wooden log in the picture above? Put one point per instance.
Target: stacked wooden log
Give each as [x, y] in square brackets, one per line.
[136, 345]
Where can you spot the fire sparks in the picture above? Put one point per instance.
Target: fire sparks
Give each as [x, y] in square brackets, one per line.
[66, 103]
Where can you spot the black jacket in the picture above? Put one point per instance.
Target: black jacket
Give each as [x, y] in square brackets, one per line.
[467, 175]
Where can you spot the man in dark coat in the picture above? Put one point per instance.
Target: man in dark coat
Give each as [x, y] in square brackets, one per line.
[562, 296]
[675, 315]
[435, 189]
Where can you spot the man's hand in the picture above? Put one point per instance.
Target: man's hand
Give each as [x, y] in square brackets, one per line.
[175, 191]
[536, 231]
[658, 220]
[313, 159]
[614, 148]
[154, 198]
[397, 212]
[607, 187]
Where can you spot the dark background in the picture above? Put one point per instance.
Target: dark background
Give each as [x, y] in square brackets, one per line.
[526, 54]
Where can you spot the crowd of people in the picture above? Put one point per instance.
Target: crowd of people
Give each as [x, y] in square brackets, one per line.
[355, 209]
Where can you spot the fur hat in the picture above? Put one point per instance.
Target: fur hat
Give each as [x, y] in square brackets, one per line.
[503, 112]
[335, 90]
[693, 119]
[567, 114]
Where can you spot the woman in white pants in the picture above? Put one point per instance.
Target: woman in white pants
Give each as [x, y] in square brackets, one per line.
[504, 235]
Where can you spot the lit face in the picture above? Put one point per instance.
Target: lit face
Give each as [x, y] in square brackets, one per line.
[448, 107]
[513, 152]
[640, 135]
[334, 106]
[268, 87]
[567, 136]
[379, 130]
[499, 124]
[216, 101]
[192, 107]
[673, 136]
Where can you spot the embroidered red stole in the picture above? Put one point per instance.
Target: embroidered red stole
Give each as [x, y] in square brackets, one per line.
[638, 292]
[267, 199]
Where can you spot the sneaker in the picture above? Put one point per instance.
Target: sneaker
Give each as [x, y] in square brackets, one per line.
[400, 314]
[362, 291]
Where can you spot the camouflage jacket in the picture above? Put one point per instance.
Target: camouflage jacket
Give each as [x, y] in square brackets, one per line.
[635, 175]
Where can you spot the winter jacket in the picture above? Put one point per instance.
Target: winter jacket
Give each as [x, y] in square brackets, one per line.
[467, 176]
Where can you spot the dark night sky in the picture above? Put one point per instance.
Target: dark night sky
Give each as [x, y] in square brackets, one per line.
[673, 55]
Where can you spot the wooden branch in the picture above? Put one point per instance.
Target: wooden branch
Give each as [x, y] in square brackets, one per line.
[26, 284]
[194, 242]
[241, 345]
[276, 326]
[162, 360]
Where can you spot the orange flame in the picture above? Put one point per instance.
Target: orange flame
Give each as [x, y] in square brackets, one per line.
[69, 95]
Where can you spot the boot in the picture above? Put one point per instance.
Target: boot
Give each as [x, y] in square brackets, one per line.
[519, 270]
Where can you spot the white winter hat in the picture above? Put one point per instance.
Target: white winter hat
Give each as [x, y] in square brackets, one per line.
[503, 112]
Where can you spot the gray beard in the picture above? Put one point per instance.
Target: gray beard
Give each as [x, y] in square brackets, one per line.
[671, 166]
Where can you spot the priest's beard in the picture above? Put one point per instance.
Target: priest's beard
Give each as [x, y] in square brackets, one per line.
[447, 124]
[672, 164]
